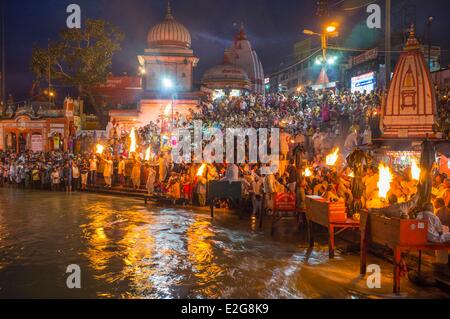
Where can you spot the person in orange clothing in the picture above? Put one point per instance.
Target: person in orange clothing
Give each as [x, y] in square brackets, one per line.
[444, 192]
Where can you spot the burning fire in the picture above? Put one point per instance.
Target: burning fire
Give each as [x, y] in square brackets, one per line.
[201, 170]
[351, 174]
[99, 149]
[308, 172]
[148, 153]
[168, 110]
[333, 157]
[384, 181]
[133, 141]
[415, 170]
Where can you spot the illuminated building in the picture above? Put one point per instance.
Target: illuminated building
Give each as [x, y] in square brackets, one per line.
[226, 79]
[242, 54]
[167, 70]
[39, 127]
[410, 108]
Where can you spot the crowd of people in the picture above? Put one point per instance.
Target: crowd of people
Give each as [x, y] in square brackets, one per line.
[316, 122]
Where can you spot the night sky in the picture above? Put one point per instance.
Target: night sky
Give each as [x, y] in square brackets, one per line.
[272, 27]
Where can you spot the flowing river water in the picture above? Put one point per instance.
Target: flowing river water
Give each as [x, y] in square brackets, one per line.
[127, 250]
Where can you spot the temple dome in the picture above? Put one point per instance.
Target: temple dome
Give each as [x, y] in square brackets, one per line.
[226, 75]
[169, 33]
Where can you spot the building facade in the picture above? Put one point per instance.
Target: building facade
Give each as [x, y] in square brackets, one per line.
[410, 109]
[167, 68]
[37, 127]
[169, 56]
[226, 79]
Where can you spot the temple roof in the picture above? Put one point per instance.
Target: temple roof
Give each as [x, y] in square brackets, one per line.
[410, 108]
[169, 33]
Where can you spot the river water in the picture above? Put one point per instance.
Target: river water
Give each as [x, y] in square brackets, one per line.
[127, 250]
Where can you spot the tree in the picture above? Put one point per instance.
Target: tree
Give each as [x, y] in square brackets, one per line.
[81, 58]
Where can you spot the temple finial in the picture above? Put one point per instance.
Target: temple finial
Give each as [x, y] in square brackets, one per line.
[412, 42]
[169, 10]
[242, 35]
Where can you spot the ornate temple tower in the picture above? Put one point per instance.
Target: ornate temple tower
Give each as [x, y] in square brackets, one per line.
[169, 55]
[410, 107]
[167, 70]
[242, 54]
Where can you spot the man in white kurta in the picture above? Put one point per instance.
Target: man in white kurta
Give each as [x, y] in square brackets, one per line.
[437, 233]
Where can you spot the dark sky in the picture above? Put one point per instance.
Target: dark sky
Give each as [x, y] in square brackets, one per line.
[273, 26]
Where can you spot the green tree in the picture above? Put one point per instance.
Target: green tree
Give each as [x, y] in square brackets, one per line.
[81, 58]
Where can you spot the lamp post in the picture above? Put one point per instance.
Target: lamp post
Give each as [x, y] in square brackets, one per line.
[329, 31]
[168, 85]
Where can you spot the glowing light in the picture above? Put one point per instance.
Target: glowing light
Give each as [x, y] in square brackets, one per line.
[351, 174]
[235, 93]
[100, 149]
[331, 60]
[330, 29]
[384, 181]
[201, 170]
[415, 170]
[148, 153]
[133, 140]
[168, 109]
[333, 157]
[308, 172]
[218, 94]
[167, 83]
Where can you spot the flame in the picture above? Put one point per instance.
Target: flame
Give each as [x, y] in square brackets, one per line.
[99, 149]
[308, 172]
[384, 181]
[133, 140]
[201, 170]
[168, 110]
[351, 174]
[333, 157]
[148, 153]
[415, 170]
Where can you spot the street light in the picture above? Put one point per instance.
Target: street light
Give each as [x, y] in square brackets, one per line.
[309, 32]
[330, 29]
[167, 83]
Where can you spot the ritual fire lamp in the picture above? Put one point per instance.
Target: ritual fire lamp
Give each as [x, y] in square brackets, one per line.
[133, 144]
[384, 181]
[201, 170]
[332, 157]
[415, 170]
[99, 149]
[148, 154]
[307, 172]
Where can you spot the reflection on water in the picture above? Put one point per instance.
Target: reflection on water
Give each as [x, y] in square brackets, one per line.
[126, 250]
